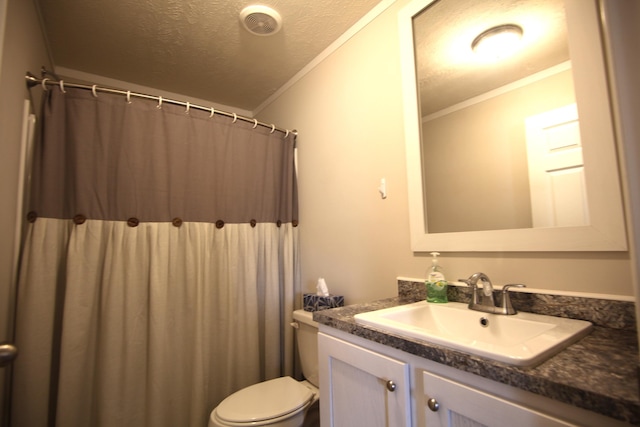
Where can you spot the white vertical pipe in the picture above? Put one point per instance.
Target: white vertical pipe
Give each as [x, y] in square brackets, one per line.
[24, 178]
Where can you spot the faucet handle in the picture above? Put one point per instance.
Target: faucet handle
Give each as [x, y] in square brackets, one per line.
[505, 288]
[507, 307]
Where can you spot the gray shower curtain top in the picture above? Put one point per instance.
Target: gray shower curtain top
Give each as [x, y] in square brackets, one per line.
[122, 161]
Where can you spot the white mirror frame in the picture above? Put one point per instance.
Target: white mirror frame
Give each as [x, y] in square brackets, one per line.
[606, 231]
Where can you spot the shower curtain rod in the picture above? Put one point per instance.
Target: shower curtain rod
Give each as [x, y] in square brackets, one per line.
[33, 81]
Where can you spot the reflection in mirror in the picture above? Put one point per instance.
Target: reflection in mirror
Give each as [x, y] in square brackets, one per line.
[475, 112]
[501, 148]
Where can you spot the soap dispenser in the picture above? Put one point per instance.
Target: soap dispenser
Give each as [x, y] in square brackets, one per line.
[436, 283]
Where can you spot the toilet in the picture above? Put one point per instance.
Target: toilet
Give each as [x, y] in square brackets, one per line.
[281, 402]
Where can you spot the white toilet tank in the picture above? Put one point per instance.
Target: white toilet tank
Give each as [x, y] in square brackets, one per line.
[307, 342]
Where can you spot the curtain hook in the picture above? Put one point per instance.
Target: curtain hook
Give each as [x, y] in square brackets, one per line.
[235, 117]
[159, 106]
[255, 123]
[62, 86]
[213, 111]
[44, 84]
[273, 128]
[187, 110]
[93, 91]
[128, 97]
[286, 134]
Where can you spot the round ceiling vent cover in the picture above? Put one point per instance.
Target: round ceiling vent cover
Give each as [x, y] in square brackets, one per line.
[261, 20]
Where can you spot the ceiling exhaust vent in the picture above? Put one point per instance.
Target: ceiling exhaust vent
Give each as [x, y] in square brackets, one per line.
[261, 20]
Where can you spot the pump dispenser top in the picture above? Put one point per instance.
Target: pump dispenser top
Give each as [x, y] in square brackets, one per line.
[436, 283]
[435, 267]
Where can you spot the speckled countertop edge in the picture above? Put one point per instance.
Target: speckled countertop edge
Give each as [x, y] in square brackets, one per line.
[597, 373]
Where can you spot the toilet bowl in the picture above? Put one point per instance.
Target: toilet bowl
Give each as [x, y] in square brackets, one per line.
[280, 402]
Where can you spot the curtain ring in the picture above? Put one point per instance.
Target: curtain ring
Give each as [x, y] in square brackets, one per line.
[128, 97]
[187, 110]
[159, 106]
[255, 123]
[235, 117]
[93, 91]
[62, 86]
[273, 128]
[44, 84]
[213, 111]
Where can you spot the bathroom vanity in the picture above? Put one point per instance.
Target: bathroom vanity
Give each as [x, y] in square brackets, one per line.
[371, 377]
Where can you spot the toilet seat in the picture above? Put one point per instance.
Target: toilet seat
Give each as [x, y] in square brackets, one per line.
[277, 398]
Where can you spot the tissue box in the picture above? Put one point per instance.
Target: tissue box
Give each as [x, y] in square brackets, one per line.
[313, 302]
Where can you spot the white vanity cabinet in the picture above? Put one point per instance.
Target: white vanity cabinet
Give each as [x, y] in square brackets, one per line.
[355, 374]
[449, 403]
[359, 387]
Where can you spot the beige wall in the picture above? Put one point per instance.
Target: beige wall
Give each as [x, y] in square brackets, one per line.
[487, 144]
[621, 35]
[23, 49]
[348, 111]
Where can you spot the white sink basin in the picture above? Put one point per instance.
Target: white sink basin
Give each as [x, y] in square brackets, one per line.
[522, 339]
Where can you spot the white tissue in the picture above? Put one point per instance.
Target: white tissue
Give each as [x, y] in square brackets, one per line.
[321, 288]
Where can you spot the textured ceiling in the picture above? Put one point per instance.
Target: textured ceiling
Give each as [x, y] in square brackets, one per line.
[197, 48]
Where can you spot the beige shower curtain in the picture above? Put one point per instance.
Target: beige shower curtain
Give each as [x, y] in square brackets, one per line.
[160, 265]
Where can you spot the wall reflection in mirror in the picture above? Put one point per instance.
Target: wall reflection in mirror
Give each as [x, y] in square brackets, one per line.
[501, 144]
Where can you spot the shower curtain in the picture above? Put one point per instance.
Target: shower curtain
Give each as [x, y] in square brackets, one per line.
[160, 264]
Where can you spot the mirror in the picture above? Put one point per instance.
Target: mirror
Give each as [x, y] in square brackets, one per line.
[513, 154]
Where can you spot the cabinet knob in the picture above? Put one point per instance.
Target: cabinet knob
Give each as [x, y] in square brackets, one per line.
[391, 386]
[433, 404]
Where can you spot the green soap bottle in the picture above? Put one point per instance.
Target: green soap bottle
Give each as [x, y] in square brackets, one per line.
[436, 283]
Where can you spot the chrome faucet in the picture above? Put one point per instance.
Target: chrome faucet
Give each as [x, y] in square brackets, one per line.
[483, 300]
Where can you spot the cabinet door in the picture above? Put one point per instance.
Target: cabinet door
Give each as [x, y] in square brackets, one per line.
[451, 404]
[359, 387]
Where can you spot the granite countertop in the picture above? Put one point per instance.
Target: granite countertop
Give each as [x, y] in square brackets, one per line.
[598, 373]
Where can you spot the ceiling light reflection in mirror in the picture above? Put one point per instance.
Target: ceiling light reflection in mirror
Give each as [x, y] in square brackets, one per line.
[497, 42]
[449, 72]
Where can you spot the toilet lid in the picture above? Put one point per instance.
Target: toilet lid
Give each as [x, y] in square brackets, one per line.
[265, 400]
